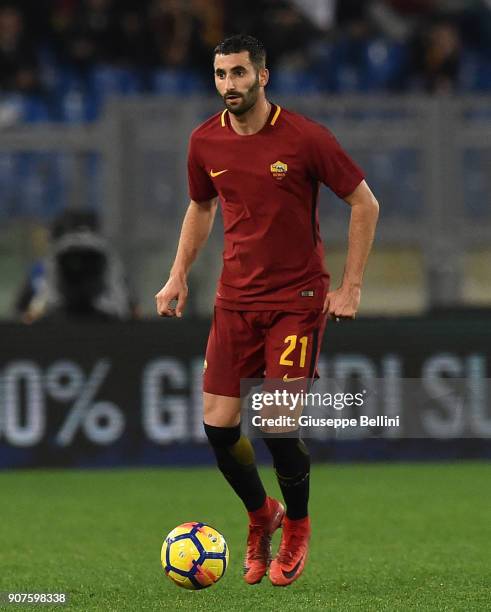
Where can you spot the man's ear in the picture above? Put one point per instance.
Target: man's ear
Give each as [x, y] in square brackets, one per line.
[263, 77]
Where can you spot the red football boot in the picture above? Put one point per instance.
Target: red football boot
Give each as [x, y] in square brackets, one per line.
[262, 524]
[292, 554]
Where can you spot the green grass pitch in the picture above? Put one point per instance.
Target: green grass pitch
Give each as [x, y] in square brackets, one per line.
[385, 537]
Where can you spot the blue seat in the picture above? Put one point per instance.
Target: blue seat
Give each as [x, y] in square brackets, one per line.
[49, 69]
[287, 81]
[343, 73]
[23, 108]
[67, 79]
[474, 72]
[77, 106]
[363, 65]
[70, 97]
[171, 81]
[35, 109]
[110, 80]
[384, 64]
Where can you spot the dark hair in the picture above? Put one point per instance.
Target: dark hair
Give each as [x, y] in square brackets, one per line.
[74, 221]
[243, 42]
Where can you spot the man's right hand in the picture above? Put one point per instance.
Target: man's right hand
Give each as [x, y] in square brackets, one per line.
[174, 289]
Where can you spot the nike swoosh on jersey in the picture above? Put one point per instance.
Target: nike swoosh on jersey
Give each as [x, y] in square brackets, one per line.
[292, 572]
[213, 174]
[286, 379]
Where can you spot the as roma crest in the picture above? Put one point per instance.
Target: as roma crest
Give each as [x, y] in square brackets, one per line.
[279, 170]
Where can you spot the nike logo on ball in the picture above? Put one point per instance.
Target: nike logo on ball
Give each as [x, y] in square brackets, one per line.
[286, 379]
[213, 174]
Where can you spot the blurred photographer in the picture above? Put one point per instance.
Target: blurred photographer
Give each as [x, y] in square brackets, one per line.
[80, 278]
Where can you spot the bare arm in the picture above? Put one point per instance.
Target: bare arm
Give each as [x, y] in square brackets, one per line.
[344, 302]
[195, 230]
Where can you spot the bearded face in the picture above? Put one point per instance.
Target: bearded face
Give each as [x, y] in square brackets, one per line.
[238, 81]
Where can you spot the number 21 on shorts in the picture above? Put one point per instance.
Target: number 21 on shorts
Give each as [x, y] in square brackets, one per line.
[291, 341]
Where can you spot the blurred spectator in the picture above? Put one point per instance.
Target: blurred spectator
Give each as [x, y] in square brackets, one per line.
[437, 58]
[18, 65]
[288, 28]
[475, 26]
[172, 27]
[184, 33]
[211, 17]
[89, 33]
[175, 38]
[288, 34]
[132, 45]
[81, 277]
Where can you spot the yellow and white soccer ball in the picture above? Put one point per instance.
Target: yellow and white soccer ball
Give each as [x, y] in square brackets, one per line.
[194, 555]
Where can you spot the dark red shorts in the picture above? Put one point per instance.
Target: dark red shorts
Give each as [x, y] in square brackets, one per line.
[257, 344]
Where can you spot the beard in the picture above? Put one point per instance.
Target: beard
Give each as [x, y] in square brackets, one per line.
[247, 99]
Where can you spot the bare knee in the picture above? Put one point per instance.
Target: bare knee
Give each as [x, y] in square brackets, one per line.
[221, 410]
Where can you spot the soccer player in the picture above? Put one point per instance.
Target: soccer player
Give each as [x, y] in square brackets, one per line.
[265, 163]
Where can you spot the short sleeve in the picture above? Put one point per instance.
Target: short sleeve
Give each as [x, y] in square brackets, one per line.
[330, 164]
[201, 187]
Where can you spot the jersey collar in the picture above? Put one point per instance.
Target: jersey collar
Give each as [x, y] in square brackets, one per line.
[272, 119]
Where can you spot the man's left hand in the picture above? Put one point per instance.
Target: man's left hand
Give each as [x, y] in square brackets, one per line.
[342, 303]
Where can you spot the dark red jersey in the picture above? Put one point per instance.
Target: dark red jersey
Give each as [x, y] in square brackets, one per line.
[268, 184]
